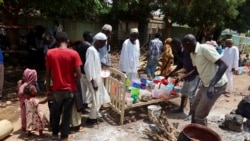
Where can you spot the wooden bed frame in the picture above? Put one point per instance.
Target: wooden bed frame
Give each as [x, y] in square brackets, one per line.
[115, 85]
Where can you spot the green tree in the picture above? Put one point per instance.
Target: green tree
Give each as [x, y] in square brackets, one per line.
[174, 11]
[132, 10]
[207, 16]
[242, 22]
[76, 9]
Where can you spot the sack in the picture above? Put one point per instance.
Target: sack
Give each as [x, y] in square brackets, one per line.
[6, 128]
[233, 122]
[244, 107]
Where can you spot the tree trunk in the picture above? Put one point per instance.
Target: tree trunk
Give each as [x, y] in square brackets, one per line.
[11, 21]
[13, 32]
[143, 31]
[217, 33]
[168, 29]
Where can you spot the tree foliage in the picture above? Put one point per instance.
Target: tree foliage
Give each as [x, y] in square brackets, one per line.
[76, 9]
[206, 16]
[242, 21]
[209, 15]
[132, 10]
[175, 11]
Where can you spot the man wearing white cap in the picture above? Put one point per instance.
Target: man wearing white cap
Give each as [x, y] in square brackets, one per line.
[104, 51]
[129, 58]
[92, 68]
[231, 57]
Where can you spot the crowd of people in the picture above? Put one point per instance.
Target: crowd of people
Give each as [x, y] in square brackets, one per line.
[69, 88]
[209, 69]
[73, 76]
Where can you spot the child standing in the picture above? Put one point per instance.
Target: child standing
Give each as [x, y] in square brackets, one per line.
[35, 119]
[29, 77]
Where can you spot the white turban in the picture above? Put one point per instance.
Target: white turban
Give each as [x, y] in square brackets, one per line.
[100, 36]
[134, 30]
[107, 27]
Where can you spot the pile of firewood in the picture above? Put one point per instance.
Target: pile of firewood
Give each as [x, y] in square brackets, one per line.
[143, 63]
[166, 131]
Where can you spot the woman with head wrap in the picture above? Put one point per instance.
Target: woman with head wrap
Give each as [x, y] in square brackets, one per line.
[29, 77]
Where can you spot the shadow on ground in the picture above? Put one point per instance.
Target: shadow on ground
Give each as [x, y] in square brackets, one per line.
[139, 113]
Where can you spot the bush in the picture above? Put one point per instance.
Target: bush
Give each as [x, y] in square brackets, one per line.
[247, 49]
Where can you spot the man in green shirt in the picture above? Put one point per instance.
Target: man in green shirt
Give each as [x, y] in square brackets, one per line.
[211, 69]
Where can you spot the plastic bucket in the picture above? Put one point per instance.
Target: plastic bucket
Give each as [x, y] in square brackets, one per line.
[156, 93]
[154, 111]
[135, 91]
[167, 89]
[144, 80]
[129, 101]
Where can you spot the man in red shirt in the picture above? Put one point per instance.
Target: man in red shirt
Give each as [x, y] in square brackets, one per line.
[63, 68]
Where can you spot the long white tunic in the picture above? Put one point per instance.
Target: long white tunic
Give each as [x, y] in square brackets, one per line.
[92, 68]
[231, 57]
[129, 58]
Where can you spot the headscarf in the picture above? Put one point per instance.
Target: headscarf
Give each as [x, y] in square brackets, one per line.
[30, 77]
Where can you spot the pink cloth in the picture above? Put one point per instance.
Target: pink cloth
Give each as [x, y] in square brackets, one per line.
[29, 77]
[213, 43]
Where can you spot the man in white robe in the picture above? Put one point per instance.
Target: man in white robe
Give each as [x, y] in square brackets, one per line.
[231, 57]
[130, 54]
[82, 50]
[92, 68]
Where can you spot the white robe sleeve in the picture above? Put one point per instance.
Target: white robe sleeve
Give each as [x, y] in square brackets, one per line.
[89, 66]
[122, 59]
[139, 53]
[236, 58]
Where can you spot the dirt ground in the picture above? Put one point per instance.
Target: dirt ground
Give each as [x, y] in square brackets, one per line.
[136, 119]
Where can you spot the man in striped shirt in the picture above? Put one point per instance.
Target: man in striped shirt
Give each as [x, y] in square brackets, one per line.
[153, 55]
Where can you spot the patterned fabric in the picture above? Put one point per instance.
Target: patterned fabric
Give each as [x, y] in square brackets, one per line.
[155, 49]
[35, 119]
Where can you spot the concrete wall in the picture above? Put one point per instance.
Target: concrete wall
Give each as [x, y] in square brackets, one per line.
[74, 28]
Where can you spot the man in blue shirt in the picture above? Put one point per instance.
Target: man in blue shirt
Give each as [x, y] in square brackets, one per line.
[153, 55]
[191, 82]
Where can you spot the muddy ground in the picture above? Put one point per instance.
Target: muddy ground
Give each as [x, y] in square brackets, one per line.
[136, 122]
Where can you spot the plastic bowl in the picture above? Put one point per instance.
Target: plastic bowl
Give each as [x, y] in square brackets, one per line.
[198, 132]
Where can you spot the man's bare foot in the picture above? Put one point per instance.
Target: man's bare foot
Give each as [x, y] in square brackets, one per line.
[81, 129]
[227, 94]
